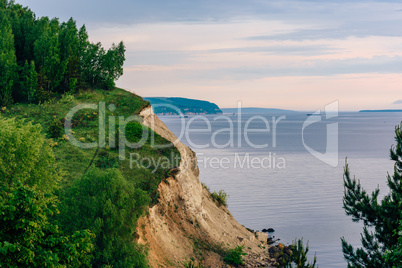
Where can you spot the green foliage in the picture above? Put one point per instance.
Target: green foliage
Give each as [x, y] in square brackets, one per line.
[47, 56]
[26, 156]
[220, 197]
[28, 238]
[40, 58]
[133, 132]
[380, 216]
[106, 160]
[298, 256]
[234, 256]
[105, 203]
[74, 161]
[55, 128]
[8, 60]
[394, 256]
[28, 83]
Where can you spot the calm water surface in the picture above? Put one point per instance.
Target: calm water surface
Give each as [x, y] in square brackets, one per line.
[301, 196]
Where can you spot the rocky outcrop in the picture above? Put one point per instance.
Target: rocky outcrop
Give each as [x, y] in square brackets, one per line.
[186, 223]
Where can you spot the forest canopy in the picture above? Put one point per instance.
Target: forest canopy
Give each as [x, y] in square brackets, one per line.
[41, 57]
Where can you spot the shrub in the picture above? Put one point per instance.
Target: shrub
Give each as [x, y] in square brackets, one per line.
[234, 256]
[26, 156]
[133, 133]
[30, 238]
[55, 128]
[105, 160]
[220, 197]
[67, 98]
[104, 202]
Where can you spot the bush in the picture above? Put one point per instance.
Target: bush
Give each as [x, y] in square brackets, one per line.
[220, 197]
[26, 156]
[104, 202]
[55, 128]
[133, 133]
[30, 238]
[106, 160]
[234, 256]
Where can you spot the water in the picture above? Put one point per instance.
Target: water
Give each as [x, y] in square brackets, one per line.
[302, 196]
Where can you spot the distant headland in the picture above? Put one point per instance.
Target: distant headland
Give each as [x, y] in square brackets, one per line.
[173, 106]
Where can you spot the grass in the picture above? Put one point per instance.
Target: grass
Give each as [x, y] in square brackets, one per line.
[75, 161]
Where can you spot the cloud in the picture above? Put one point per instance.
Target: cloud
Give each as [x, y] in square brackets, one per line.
[169, 57]
[316, 68]
[384, 28]
[397, 102]
[215, 46]
[296, 49]
[320, 12]
[375, 65]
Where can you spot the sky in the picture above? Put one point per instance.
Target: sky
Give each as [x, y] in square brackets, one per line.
[299, 55]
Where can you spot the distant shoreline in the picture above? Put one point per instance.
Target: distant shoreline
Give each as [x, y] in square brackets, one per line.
[255, 110]
[380, 111]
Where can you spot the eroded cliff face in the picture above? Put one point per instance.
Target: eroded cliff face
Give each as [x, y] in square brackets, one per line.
[186, 223]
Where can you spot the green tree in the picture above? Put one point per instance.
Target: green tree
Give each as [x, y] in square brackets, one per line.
[92, 65]
[8, 60]
[379, 217]
[47, 56]
[25, 156]
[394, 255]
[69, 46]
[105, 203]
[23, 25]
[64, 58]
[83, 45]
[28, 82]
[28, 238]
[113, 64]
[30, 33]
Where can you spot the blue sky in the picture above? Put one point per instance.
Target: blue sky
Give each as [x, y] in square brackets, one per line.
[281, 54]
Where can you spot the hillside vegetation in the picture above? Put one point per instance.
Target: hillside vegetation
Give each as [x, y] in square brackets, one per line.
[96, 190]
[77, 166]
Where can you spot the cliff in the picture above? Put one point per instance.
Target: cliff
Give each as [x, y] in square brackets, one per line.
[186, 223]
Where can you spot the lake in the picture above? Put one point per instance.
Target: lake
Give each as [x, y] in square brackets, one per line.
[274, 181]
